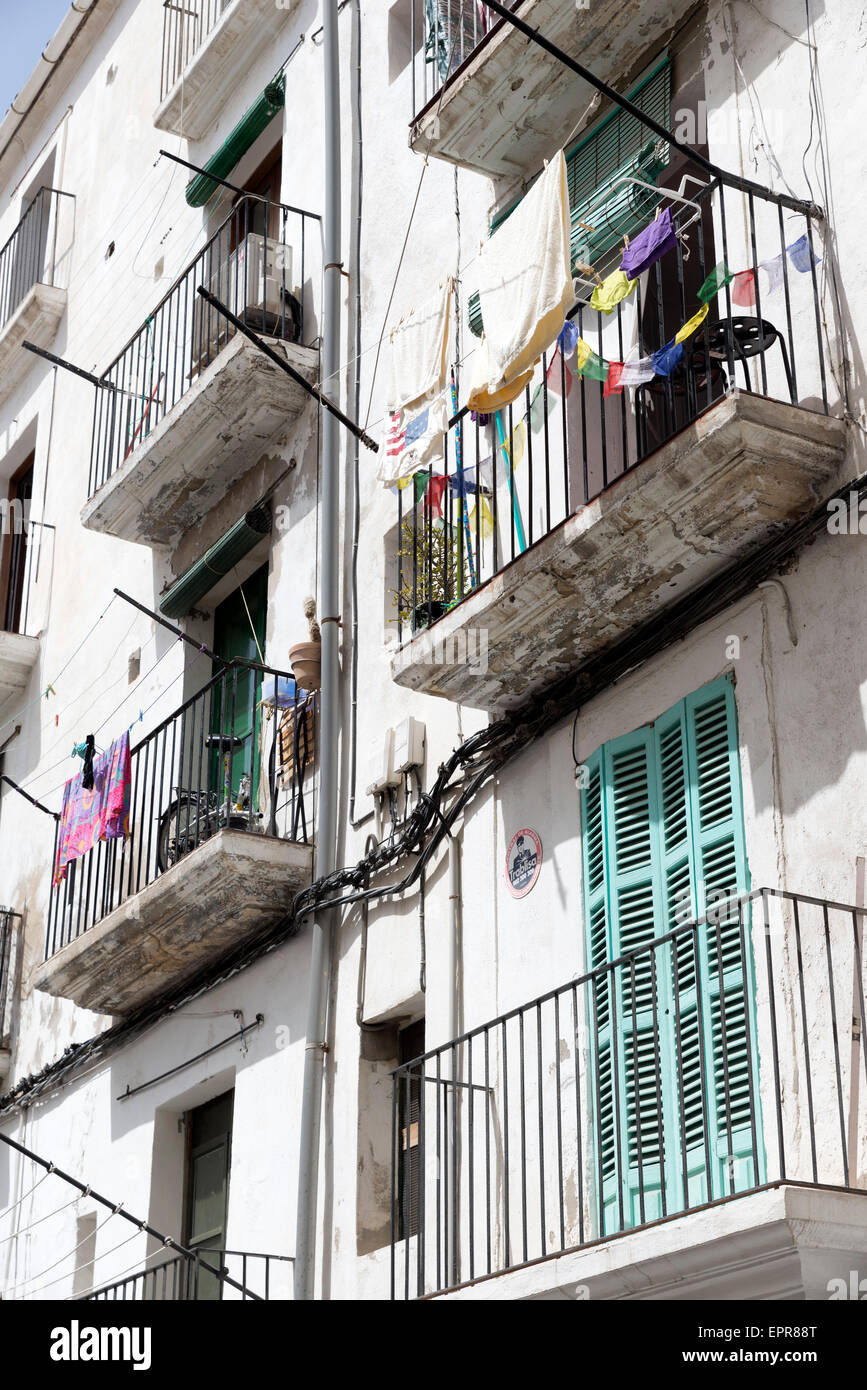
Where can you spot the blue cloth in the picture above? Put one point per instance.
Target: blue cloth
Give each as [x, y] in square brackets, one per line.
[666, 359]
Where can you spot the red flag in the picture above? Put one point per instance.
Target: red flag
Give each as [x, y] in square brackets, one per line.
[434, 494]
[556, 374]
[613, 386]
[744, 289]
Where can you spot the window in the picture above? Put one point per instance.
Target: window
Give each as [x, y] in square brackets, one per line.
[209, 1149]
[410, 1044]
[15, 549]
[673, 1077]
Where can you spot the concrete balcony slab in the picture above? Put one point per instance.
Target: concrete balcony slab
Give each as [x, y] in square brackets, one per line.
[217, 897]
[199, 95]
[18, 656]
[736, 477]
[785, 1243]
[507, 109]
[37, 319]
[205, 443]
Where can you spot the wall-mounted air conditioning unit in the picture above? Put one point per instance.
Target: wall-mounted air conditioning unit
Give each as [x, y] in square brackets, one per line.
[256, 285]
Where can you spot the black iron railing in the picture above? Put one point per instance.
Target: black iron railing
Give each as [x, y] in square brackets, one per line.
[507, 480]
[256, 264]
[186, 25]
[450, 30]
[30, 255]
[724, 1056]
[10, 928]
[203, 1275]
[230, 757]
[28, 553]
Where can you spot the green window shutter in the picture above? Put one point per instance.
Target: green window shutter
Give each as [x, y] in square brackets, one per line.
[616, 145]
[663, 837]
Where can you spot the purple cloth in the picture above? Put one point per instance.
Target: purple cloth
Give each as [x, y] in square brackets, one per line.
[645, 249]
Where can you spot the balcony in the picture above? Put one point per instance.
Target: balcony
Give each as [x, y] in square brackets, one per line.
[29, 561]
[203, 1275]
[10, 964]
[190, 404]
[685, 1121]
[219, 844]
[208, 45]
[584, 516]
[31, 302]
[479, 102]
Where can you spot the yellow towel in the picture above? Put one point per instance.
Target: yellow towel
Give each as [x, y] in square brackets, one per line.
[481, 397]
[524, 278]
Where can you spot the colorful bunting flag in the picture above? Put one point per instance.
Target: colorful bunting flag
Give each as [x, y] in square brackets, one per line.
[589, 363]
[613, 385]
[801, 256]
[774, 271]
[667, 358]
[744, 292]
[433, 496]
[692, 324]
[557, 379]
[638, 372]
[719, 277]
[567, 337]
[486, 519]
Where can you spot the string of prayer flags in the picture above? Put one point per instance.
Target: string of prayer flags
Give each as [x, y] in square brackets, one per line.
[692, 324]
[666, 359]
[719, 277]
[589, 363]
[608, 295]
[744, 292]
[466, 482]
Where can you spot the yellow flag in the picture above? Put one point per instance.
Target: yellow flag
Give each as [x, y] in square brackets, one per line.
[517, 445]
[486, 522]
[692, 324]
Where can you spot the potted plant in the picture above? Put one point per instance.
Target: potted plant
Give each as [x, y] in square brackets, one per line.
[432, 584]
[306, 657]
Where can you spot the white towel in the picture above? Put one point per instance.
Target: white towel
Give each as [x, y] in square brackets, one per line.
[524, 278]
[419, 352]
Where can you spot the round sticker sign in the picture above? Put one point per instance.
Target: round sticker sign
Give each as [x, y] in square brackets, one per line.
[523, 862]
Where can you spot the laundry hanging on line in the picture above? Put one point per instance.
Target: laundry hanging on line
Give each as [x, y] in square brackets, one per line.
[100, 812]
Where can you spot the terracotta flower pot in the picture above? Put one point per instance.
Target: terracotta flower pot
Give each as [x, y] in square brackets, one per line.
[305, 659]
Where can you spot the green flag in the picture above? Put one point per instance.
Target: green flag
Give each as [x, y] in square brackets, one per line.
[716, 281]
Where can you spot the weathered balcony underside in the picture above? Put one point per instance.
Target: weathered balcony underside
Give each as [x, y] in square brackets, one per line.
[737, 476]
[18, 656]
[225, 54]
[217, 897]
[208, 440]
[503, 114]
[36, 318]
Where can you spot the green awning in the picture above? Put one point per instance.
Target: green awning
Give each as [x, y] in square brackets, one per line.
[238, 541]
[246, 132]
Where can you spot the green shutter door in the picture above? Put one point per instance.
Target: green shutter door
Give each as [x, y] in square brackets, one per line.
[663, 838]
[234, 637]
[208, 1188]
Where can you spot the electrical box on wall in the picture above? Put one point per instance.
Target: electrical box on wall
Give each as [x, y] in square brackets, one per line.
[384, 774]
[408, 744]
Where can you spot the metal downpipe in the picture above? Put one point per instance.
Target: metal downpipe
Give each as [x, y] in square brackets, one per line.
[326, 839]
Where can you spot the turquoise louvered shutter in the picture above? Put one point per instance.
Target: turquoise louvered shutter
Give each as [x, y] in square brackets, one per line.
[674, 1088]
[616, 146]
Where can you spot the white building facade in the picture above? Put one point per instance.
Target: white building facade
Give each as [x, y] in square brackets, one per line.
[595, 990]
